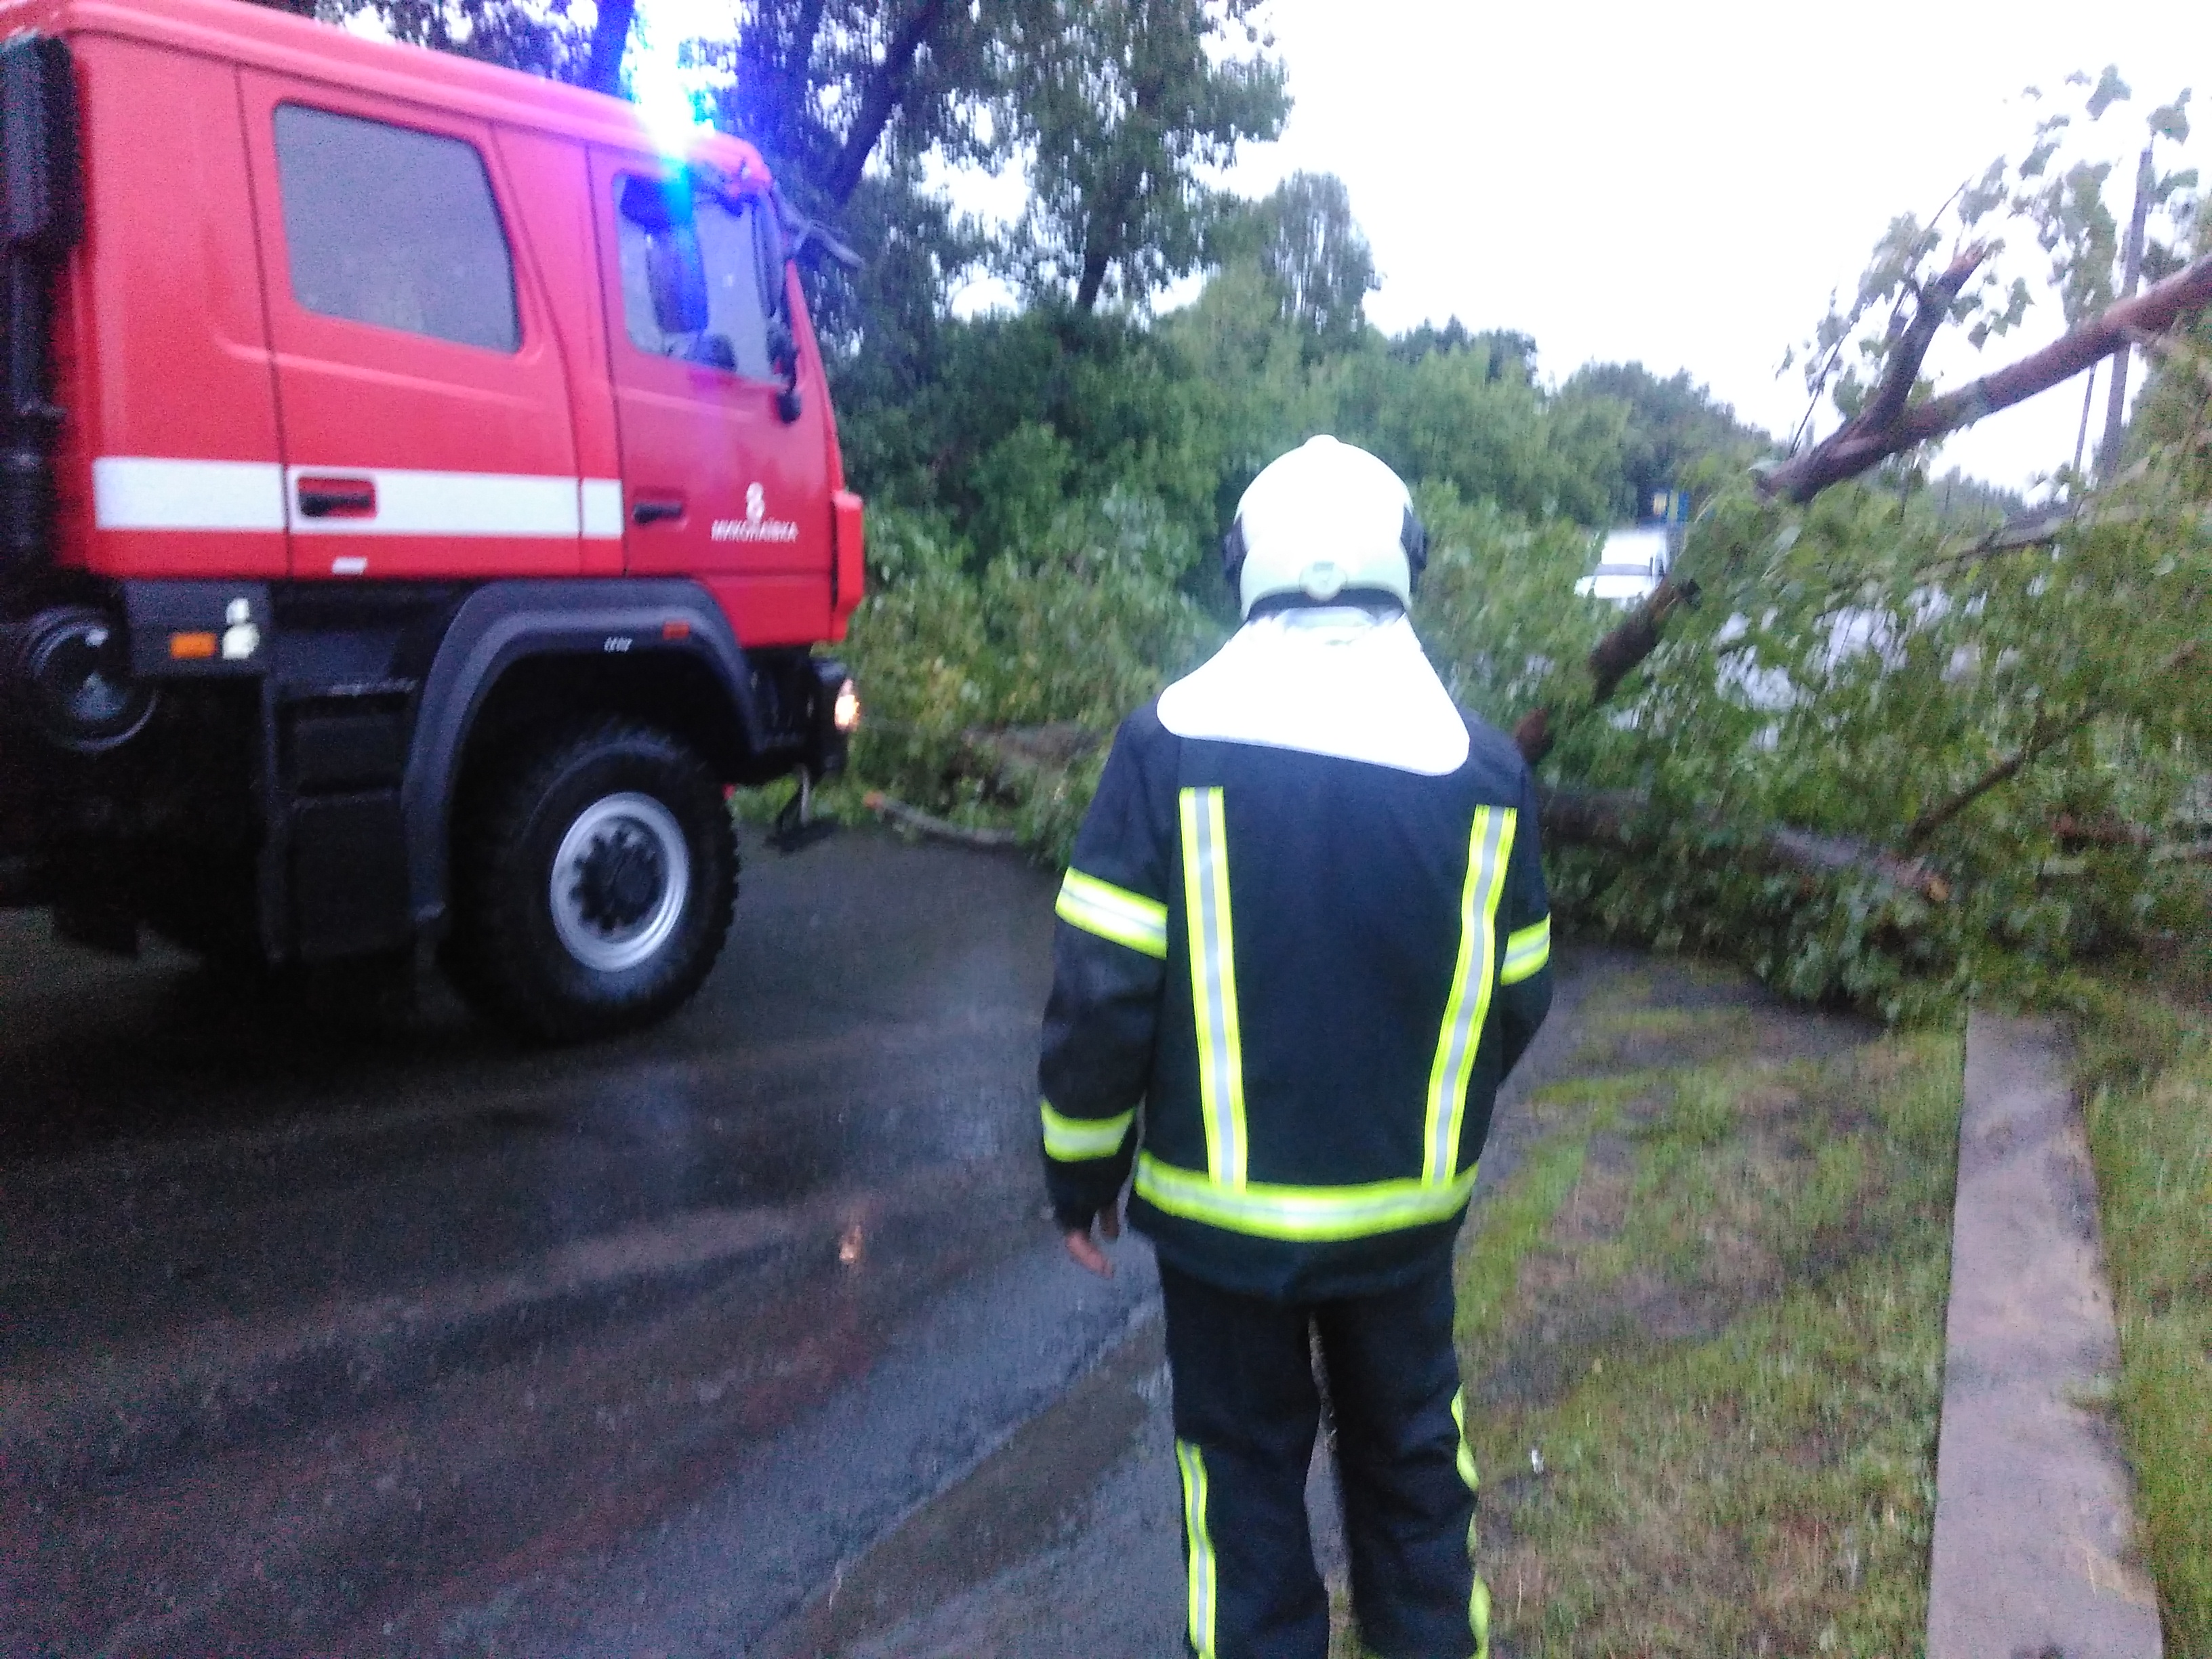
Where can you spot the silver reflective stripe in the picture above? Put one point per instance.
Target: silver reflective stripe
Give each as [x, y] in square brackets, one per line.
[1490, 844]
[1203, 1577]
[1213, 983]
[1527, 950]
[1071, 1140]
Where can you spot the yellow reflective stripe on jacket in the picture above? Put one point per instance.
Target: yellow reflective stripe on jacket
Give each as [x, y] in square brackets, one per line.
[1204, 1579]
[1213, 983]
[1527, 950]
[1071, 1140]
[1114, 912]
[1490, 845]
[1266, 1210]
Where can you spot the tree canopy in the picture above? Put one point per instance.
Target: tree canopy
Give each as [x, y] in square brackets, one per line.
[1916, 737]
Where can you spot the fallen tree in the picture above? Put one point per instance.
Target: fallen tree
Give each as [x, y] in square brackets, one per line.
[1890, 424]
[1626, 821]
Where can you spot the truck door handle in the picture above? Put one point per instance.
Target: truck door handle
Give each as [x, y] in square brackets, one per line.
[653, 510]
[338, 498]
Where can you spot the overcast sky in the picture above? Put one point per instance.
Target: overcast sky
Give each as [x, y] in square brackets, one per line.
[1684, 183]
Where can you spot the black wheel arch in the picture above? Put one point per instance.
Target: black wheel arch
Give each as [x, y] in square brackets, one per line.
[658, 650]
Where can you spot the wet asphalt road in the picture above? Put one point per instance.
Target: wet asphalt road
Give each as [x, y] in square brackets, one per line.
[330, 1327]
[333, 1326]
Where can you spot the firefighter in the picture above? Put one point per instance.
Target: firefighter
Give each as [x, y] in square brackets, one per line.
[1303, 939]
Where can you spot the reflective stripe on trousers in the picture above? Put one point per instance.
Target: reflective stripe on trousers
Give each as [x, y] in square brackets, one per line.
[1478, 1600]
[1204, 1579]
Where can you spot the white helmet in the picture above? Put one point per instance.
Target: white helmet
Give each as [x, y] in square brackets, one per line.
[1324, 520]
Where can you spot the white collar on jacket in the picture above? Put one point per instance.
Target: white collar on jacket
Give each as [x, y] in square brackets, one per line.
[1335, 681]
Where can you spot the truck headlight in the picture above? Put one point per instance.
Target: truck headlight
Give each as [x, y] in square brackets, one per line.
[845, 712]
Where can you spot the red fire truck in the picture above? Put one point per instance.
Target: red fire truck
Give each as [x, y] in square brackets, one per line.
[419, 500]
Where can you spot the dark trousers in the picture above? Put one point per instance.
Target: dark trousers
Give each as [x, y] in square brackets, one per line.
[1246, 1411]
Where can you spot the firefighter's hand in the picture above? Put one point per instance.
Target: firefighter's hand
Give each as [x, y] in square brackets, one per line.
[1086, 1251]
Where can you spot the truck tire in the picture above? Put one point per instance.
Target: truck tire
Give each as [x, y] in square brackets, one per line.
[594, 871]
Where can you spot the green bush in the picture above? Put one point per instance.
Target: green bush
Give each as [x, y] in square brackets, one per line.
[1864, 670]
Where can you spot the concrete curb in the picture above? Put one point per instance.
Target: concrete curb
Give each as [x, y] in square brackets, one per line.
[2033, 1555]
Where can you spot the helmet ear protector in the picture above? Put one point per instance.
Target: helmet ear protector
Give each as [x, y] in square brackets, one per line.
[1413, 537]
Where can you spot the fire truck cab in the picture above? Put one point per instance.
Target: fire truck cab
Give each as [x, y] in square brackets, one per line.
[419, 501]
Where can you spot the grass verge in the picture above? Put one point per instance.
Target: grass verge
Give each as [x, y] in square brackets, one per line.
[1702, 1330]
[2145, 1072]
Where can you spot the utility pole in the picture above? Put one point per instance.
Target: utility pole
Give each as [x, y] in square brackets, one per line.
[2081, 438]
[2108, 453]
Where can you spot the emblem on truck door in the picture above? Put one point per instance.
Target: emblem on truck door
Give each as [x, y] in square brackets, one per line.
[756, 526]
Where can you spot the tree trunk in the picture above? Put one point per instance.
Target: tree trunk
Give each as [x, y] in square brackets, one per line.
[1621, 818]
[1611, 661]
[886, 87]
[1095, 261]
[610, 39]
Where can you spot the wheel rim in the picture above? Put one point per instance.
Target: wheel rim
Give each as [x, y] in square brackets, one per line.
[619, 882]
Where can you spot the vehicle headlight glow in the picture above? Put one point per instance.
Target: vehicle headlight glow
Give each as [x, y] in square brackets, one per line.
[845, 712]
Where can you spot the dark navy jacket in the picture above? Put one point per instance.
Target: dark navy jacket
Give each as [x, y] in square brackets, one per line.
[1286, 987]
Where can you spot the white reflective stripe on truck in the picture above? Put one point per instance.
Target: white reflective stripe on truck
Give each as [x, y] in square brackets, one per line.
[137, 492]
[603, 508]
[143, 492]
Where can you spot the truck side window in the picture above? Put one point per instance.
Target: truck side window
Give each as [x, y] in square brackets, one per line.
[723, 240]
[389, 226]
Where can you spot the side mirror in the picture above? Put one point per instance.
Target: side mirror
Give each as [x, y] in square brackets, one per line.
[770, 260]
[41, 202]
[783, 358]
[806, 237]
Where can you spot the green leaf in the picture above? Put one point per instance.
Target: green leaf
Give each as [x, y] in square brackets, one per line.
[2172, 120]
[2110, 90]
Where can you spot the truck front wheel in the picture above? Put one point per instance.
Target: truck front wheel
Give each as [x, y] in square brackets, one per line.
[594, 871]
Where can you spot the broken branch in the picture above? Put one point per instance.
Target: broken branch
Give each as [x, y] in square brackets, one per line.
[924, 823]
[1624, 819]
[1611, 660]
[2013, 536]
[1860, 444]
